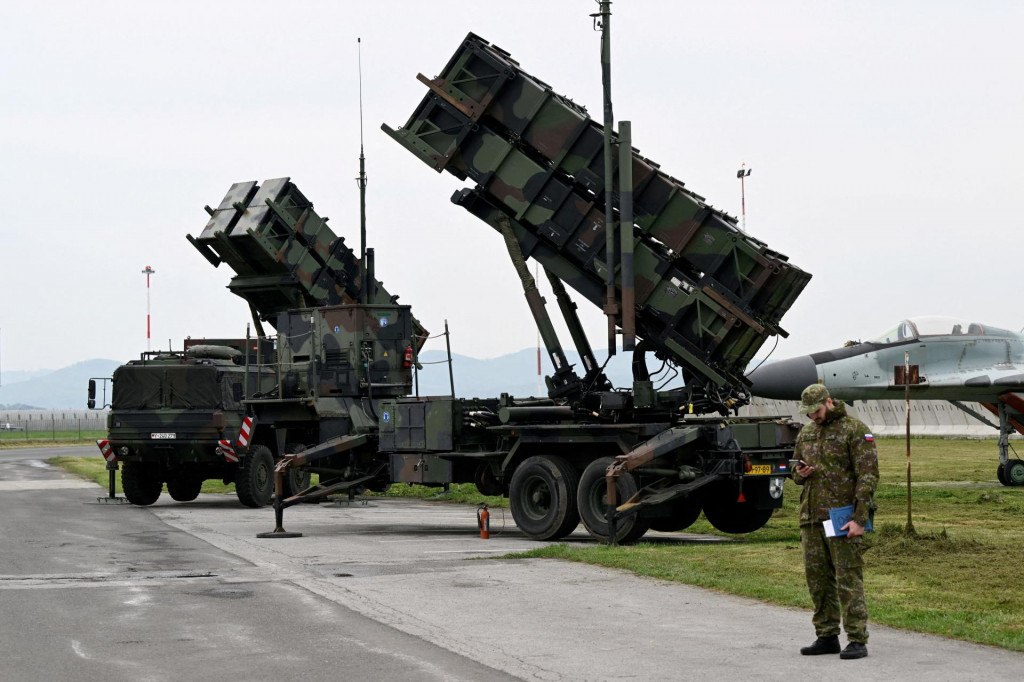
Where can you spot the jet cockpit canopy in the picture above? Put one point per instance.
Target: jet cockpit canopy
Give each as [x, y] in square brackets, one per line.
[936, 325]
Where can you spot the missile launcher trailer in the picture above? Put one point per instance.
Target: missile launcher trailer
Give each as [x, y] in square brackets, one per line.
[704, 298]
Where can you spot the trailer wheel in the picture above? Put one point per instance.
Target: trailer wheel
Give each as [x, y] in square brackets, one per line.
[184, 487]
[141, 483]
[295, 480]
[593, 501]
[486, 482]
[729, 516]
[542, 497]
[684, 512]
[255, 482]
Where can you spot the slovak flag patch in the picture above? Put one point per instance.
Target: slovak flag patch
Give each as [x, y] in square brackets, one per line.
[869, 438]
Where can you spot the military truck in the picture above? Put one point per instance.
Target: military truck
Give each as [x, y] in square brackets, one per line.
[177, 417]
[702, 296]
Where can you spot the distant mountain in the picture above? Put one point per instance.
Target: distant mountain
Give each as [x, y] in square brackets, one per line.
[17, 376]
[515, 374]
[55, 390]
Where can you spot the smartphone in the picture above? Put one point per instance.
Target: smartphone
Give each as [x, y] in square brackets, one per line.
[794, 463]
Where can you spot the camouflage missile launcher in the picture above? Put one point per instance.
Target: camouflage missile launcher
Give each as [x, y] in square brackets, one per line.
[178, 418]
[707, 294]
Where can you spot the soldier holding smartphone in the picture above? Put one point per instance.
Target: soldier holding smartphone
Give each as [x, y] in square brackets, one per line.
[838, 466]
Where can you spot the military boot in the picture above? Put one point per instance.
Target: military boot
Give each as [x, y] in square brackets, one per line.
[854, 650]
[823, 645]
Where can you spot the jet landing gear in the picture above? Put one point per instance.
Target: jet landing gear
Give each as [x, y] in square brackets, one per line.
[1010, 471]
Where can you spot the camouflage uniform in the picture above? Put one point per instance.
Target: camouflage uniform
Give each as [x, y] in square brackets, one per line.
[843, 453]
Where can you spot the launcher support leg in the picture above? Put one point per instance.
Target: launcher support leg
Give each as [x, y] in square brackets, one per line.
[279, 531]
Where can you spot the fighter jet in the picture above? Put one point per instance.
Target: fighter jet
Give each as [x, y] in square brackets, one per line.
[955, 361]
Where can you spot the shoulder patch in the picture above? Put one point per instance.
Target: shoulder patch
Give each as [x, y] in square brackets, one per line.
[869, 438]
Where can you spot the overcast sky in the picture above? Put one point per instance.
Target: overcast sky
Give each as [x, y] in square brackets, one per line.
[885, 140]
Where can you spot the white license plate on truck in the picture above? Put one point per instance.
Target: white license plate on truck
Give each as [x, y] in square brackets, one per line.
[163, 436]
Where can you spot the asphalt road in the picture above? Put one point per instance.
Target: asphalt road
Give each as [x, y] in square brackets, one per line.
[101, 592]
[388, 590]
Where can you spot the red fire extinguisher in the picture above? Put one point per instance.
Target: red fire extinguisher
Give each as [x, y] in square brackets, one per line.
[483, 519]
[407, 361]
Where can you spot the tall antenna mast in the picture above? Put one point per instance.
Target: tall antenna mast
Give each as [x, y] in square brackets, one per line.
[361, 181]
[603, 21]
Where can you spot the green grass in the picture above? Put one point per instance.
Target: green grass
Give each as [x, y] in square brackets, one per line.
[35, 439]
[95, 468]
[958, 575]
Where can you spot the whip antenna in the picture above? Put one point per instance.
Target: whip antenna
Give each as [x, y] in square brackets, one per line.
[361, 182]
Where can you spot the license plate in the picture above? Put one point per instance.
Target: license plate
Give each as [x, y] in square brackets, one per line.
[163, 436]
[761, 469]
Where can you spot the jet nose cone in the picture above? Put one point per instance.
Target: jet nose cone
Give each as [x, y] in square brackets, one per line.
[785, 379]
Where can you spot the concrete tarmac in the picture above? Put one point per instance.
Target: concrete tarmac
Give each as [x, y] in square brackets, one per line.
[419, 569]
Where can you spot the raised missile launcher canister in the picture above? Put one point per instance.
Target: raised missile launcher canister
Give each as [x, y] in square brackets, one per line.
[707, 294]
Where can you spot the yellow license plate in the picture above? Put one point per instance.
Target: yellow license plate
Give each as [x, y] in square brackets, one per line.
[762, 469]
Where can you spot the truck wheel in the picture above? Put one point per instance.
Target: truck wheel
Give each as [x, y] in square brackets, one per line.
[184, 487]
[486, 482]
[255, 482]
[729, 516]
[593, 502]
[141, 483]
[684, 512]
[296, 480]
[543, 497]
[1014, 473]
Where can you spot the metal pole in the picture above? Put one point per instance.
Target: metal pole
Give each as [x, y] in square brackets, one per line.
[611, 307]
[361, 180]
[906, 392]
[147, 272]
[448, 345]
[742, 174]
[626, 279]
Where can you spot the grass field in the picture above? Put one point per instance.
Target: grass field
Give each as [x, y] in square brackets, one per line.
[958, 575]
[37, 438]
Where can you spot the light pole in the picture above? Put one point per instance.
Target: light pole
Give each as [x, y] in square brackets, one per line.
[147, 272]
[742, 173]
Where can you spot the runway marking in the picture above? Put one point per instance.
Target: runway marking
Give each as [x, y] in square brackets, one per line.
[61, 484]
[76, 646]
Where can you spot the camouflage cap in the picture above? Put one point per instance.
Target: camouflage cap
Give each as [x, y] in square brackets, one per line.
[813, 397]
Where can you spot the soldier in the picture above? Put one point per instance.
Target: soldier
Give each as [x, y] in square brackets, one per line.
[838, 467]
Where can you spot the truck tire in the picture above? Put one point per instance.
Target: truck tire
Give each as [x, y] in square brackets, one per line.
[593, 503]
[685, 511]
[141, 483]
[296, 480]
[729, 516]
[255, 482]
[542, 497]
[184, 487]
